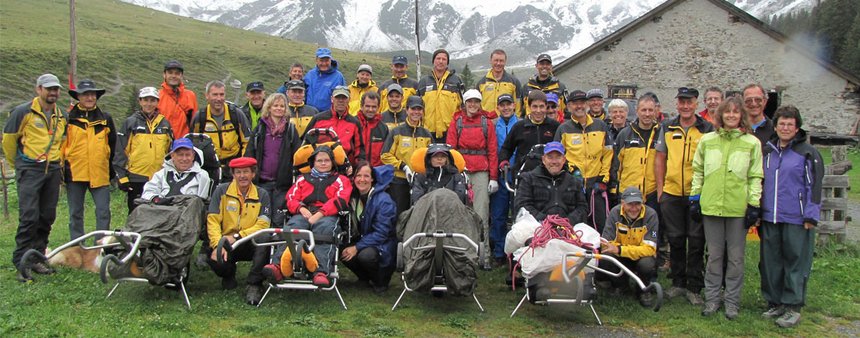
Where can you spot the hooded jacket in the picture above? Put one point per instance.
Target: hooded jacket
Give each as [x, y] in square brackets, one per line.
[142, 144]
[792, 181]
[229, 213]
[633, 163]
[376, 225]
[442, 97]
[159, 184]
[410, 87]
[550, 85]
[475, 138]
[327, 195]
[348, 130]
[320, 84]
[89, 147]
[587, 146]
[178, 105]
[31, 135]
[727, 173]
[446, 176]
[373, 133]
[543, 194]
[356, 91]
[401, 142]
[491, 88]
[231, 138]
[635, 238]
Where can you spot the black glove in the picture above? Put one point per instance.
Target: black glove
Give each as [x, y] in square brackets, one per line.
[695, 209]
[125, 186]
[752, 216]
[162, 200]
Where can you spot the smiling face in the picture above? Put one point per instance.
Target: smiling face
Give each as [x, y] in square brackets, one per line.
[148, 104]
[183, 159]
[87, 100]
[506, 108]
[632, 209]
[473, 106]
[538, 109]
[618, 116]
[398, 70]
[322, 162]
[498, 61]
[363, 77]
[243, 177]
[296, 96]
[216, 96]
[713, 100]
[554, 162]
[732, 117]
[395, 99]
[577, 109]
[440, 62]
[415, 115]
[256, 97]
[544, 69]
[296, 73]
[278, 108]
[324, 64]
[646, 110]
[786, 129]
[363, 180]
[755, 100]
[173, 77]
[595, 105]
[370, 107]
[686, 106]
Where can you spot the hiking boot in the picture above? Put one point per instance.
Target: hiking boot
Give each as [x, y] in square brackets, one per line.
[380, 289]
[666, 266]
[675, 292]
[320, 279]
[272, 272]
[694, 298]
[42, 268]
[788, 319]
[710, 309]
[23, 277]
[646, 299]
[774, 312]
[229, 283]
[253, 294]
[731, 311]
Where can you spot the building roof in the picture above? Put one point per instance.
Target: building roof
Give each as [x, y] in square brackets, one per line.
[743, 16]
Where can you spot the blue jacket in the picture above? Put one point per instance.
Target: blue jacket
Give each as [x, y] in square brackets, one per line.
[792, 182]
[377, 224]
[321, 84]
[502, 131]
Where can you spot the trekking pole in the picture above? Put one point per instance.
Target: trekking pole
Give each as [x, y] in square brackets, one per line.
[5, 189]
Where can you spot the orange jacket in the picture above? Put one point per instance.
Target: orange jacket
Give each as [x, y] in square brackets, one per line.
[177, 106]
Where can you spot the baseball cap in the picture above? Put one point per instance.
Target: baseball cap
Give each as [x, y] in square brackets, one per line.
[472, 94]
[48, 81]
[365, 68]
[148, 92]
[323, 53]
[414, 101]
[544, 57]
[687, 92]
[181, 143]
[631, 195]
[295, 84]
[577, 95]
[173, 64]
[256, 85]
[594, 93]
[553, 146]
[399, 60]
[505, 97]
[340, 91]
[395, 88]
[552, 97]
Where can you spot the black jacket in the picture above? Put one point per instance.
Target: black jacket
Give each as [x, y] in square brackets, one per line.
[435, 178]
[522, 137]
[542, 194]
[289, 144]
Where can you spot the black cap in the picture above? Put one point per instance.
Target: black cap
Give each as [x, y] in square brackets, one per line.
[399, 60]
[256, 85]
[544, 57]
[295, 84]
[577, 95]
[85, 86]
[687, 92]
[505, 97]
[173, 64]
[414, 101]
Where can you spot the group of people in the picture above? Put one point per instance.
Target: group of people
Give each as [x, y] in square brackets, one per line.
[690, 182]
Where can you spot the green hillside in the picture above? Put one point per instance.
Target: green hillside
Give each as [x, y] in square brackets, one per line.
[124, 47]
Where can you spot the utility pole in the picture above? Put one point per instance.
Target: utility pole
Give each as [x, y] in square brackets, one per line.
[417, 42]
[73, 57]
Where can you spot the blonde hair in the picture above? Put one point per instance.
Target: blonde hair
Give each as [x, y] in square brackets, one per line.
[728, 104]
[270, 101]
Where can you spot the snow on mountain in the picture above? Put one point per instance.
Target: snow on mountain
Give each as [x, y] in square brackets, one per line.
[467, 28]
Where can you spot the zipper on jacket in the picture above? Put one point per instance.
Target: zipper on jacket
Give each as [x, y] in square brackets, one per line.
[776, 185]
[800, 199]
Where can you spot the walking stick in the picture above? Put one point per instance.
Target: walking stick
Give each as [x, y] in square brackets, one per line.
[5, 189]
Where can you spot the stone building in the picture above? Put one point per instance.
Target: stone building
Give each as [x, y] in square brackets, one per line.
[703, 43]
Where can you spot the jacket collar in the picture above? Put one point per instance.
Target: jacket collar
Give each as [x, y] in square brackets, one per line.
[233, 191]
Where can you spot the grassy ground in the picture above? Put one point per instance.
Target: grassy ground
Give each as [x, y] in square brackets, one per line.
[853, 174]
[72, 303]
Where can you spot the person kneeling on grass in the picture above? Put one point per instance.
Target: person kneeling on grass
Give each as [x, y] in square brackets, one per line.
[238, 209]
[314, 201]
[630, 236]
[372, 256]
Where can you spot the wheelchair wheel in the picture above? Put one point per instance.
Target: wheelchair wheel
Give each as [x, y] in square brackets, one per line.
[401, 261]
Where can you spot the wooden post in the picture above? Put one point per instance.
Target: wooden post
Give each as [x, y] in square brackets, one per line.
[73, 54]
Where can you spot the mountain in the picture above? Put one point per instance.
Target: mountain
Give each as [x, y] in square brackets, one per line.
[467, 28]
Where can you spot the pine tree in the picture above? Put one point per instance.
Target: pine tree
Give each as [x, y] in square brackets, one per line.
[850, 55]
[467, 77]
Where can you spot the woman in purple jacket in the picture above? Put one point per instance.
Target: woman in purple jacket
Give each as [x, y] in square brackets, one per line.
[791, 203]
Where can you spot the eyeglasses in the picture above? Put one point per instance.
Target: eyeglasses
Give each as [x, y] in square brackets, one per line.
[756, 99]
[786, 125]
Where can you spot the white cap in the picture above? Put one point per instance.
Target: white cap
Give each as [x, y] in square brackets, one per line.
[365, 68]
[148, 92]
[472, 94]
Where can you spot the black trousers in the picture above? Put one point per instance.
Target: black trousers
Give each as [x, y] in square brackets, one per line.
[400, 192]
[38, 193]
[645, 268]
[686, 243]
[134, 192]
[365, 265]
[258, 256]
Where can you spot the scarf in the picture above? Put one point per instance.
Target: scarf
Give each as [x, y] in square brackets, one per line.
[317, 174]
[276, 128]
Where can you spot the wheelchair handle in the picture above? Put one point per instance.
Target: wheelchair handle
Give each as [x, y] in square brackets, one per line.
[272, 231]
[223, 244]
[440, 235]
[506, 172]
[103, 273]
[658, 290]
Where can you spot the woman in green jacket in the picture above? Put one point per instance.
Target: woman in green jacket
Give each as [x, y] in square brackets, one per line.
[727, 174]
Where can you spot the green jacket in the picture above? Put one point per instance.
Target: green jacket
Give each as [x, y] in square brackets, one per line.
[727, 173]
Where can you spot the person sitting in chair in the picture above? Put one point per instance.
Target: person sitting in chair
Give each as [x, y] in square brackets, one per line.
[441, 172]
[314, 201]
[551, 189]
[181, 175]
[238, 209]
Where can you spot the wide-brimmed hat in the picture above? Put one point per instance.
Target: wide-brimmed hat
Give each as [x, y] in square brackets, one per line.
[85, 86]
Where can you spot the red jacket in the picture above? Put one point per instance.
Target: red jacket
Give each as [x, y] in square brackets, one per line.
[177, 107]
[704, 114]
[479, 148]
[306, 193]
[348, 130]
[373, 133]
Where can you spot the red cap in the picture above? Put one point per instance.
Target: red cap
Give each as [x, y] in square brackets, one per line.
[243, 162]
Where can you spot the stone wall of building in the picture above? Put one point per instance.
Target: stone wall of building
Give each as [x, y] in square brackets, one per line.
[698, 44]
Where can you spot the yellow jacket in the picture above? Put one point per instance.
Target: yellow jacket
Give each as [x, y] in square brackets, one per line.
[89, 147]
[355, 93]
[401, 142]
[587, 147]
[442, 97]
[635, 238]
[301, 116]
[633, 163]
[143, 144]
[29, 137]
[229, 213]
[410, 87]
[491, 88]
[680, 146]
[231, 139]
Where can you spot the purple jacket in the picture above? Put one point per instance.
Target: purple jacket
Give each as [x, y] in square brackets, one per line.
[792, 182]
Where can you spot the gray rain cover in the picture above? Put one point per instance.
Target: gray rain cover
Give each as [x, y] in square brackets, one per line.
[168, 234]
[440, 210]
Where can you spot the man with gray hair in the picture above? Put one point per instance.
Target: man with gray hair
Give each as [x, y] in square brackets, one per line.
[225, 124]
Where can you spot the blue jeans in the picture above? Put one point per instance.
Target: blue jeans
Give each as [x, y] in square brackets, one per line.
[76, 191]
[499, 209]
[324, 252]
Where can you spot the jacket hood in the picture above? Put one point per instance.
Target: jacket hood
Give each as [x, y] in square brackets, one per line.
[195, 167]
[434, 148]
[384, 175]
[330, 70]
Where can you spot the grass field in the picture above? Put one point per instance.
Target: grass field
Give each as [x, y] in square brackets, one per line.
[124, 47]
[72, 303]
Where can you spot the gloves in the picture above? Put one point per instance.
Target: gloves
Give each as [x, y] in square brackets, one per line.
[162, 200]
[752, 216]
[504, 165]
[493, 187]
[124, 186]
[599, 188]
[408, 171]
[695, 209]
